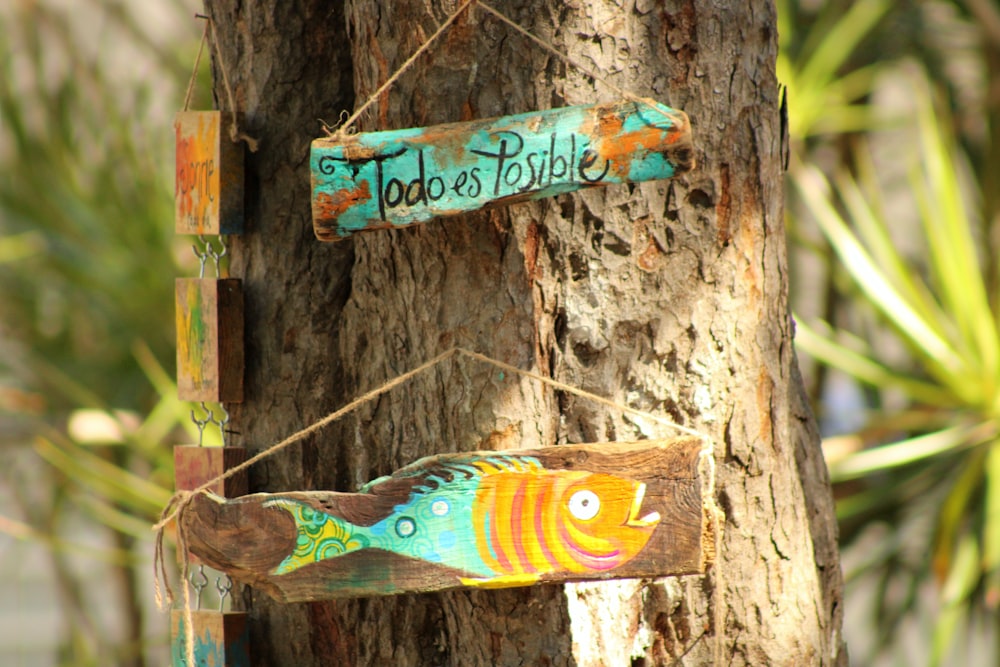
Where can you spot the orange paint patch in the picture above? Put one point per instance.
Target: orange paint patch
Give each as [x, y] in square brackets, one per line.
[329, 207]
[619, 148]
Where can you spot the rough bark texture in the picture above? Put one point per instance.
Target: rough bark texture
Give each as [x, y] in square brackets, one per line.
[670, 296]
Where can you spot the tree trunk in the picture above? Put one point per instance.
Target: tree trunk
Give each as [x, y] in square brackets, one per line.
[669, 296]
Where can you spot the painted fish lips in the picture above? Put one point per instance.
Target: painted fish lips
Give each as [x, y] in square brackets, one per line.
[634, 520]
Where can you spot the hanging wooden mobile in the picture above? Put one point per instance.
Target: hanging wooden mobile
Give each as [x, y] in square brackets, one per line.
[209, 317]
[195, 465]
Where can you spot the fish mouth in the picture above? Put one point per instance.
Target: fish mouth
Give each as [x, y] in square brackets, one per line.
[634, 520]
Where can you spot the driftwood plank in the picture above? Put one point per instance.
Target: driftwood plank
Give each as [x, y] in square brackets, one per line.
[481, 519]
[208, 193]
[402, 177]
[194, 465]
[220, 639]
[209, 319]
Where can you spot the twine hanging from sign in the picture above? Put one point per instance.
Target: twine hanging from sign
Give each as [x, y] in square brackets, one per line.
[344, 128]
[235, 133]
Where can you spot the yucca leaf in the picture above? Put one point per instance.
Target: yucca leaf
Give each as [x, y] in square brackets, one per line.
[911, 450]
[958, 586]
[991, 518]
[873, 230]
[111, 481]
[24, 532]
[813, 91]
[865, 368]
[953, 515]
[924, 334]
[952, 249]
[113, 517]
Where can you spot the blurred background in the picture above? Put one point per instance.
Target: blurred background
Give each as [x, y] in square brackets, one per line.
[893, 211]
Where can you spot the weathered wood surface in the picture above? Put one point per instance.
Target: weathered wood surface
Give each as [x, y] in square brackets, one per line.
[209, 319]
[195, 465]
[402, 177]
[208, 192]
[480, 519]
[221, 639]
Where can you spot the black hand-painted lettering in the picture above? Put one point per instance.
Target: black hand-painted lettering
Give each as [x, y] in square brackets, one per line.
[587, 160]
[419, 182]
[502, 155]
[533, 176]
[479, 186]
[430, 188]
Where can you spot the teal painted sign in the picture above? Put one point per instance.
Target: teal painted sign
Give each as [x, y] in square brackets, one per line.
[403, 177]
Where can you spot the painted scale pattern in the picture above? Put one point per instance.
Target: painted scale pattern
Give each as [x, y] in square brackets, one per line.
[502, 519]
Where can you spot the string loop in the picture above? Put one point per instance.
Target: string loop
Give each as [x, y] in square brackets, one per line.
[235, 134]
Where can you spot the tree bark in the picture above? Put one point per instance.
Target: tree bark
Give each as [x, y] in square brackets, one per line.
[668, 296]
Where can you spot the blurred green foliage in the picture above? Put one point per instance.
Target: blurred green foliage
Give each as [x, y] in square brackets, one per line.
[910, 302]
[87, 262]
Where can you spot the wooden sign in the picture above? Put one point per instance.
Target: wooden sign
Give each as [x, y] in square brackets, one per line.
[398, 178]
[208, 193]
[209, 339]
[194, 465]
[481, 519]
[220, 639]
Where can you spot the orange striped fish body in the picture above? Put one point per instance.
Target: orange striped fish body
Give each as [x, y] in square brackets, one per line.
[504, 520]
[538, 522]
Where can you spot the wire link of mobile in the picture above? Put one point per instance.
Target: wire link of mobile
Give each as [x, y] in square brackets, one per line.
[210, 419]
[204, 250]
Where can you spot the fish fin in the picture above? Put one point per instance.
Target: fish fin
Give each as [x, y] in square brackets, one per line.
[367, 486]
[434, 471]
[503, 581]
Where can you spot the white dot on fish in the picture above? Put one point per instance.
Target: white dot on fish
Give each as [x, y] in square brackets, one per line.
[405, 526]
[439, 507]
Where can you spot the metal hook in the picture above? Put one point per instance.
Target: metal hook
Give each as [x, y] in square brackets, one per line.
[199, 581]
[222, 424]
[201, 254]
[223, 589]
[210, 419]
[201, 424]
[218, 255]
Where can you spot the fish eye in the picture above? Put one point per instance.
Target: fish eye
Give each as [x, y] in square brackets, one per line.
[584, 505]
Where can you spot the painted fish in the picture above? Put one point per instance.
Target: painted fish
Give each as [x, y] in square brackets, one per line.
[504, 520]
